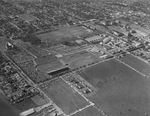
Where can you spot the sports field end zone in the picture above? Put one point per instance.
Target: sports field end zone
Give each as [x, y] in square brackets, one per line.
[138, 64]
[121, 90]
[90, 111]
[64, 96]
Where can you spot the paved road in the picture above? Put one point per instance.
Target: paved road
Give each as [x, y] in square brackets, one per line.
[32, 83]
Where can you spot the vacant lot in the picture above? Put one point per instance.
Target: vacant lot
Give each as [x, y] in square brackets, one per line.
[137, 64]
[63, 32]
[121, 91]
[64, 96]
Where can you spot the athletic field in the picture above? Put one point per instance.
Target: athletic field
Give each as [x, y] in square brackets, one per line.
[90, 111]
[64, 96]
[63, 32]
[138, 64]
[80, 59]
[121, 90]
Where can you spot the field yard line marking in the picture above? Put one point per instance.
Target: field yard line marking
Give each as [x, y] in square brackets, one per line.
[100, 110]
[80, 110]
[78, 91]
[74, 71]
[91, 103]
[106, 60]
[131, 68]
[139, 58]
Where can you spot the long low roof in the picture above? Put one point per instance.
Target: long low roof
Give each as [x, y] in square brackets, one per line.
[93, 38]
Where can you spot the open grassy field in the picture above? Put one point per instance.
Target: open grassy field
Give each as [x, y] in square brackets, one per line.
[137, 64]
[72, 57]
[63, 32]
[121, 90]
[79, 59]
[49, 66]
[70, 50]
[32, 102]
[64, 96]
[83, 61]
[25, 105]
[90, 111]
[35, 75]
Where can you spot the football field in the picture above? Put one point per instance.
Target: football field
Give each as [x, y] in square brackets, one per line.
[90, 111]
[121, 90]
[64, 96]
[137, 64]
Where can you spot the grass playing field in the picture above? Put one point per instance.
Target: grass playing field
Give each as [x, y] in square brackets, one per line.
[83, 61]
[137, 64]
[90, 111]
[63, 32]
[64, 96]
[50, 67]
[25, 105]
[121, 90]
[32, 102]
[79, 59]
[72, 57]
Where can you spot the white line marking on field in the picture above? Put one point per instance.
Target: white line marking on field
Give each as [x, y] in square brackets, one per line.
[90, 103]
[131, 68]
[77, 91]
[80, 110]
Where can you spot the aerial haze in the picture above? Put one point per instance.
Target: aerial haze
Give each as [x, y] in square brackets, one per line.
[75, 57]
